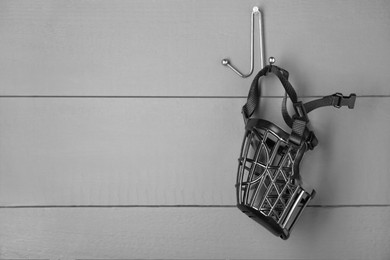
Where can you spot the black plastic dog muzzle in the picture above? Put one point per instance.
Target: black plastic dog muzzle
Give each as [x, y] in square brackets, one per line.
[269, 187]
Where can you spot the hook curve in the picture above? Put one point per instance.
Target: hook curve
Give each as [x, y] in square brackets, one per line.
[226, 62]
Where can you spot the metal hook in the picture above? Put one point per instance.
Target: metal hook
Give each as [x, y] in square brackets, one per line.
[226, 62]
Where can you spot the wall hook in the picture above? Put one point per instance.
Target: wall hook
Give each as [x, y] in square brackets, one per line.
[227, 63]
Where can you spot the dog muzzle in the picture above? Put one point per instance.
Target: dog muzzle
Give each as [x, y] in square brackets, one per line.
[269, 186]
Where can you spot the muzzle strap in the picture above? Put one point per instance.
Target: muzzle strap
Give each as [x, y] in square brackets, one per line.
[297, 122]
[254, 92]
[337, 100]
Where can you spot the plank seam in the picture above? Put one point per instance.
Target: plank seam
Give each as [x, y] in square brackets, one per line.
[176, 206]
[164, 97]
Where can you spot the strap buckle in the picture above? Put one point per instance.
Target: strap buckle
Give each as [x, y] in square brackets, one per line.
[300, 111]
[339, 100]
[312, 140]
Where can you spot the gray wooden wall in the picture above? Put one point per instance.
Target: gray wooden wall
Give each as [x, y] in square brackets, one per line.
[120, 130]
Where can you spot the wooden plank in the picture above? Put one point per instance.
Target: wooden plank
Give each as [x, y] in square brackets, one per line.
[190, 233]
[167, 151]
[175, 48]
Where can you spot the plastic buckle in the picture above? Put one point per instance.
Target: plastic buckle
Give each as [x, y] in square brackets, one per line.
[337, 102]
[344, 100]
[300, 111]
[312, 141]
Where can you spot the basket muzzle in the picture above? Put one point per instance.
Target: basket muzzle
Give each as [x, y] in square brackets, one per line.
[269, 187]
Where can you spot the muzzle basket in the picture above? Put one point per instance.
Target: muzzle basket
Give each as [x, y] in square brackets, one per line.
[269, 188]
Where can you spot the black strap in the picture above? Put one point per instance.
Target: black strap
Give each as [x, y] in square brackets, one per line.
[297, 122]
[337, 100]
[254, 92]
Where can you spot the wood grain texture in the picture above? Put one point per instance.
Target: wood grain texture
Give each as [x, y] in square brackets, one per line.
[167, 151]
[167, 48]
[190, 233]
[115, 103]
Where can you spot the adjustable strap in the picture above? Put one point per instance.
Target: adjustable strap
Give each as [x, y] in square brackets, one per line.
[254, 92]
[299, 121]
[337, 100]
